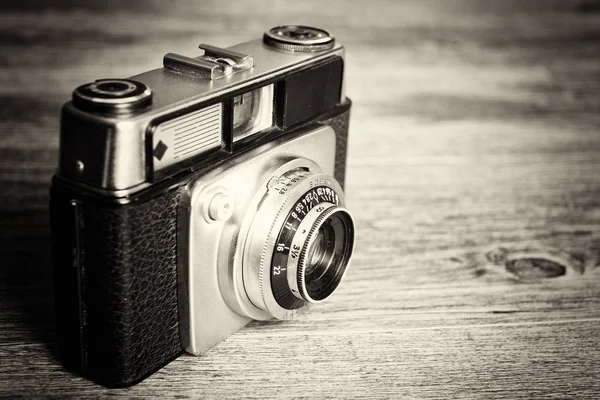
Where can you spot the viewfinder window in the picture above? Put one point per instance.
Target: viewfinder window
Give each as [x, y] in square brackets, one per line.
[252, 112]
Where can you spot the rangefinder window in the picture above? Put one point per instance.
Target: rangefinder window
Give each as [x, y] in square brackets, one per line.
[252, 112]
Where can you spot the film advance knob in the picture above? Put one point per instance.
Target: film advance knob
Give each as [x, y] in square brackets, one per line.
[298, 38]
[112, 96]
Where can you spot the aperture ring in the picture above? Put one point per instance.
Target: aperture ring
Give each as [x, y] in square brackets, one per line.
[286, 250]
[298, 246]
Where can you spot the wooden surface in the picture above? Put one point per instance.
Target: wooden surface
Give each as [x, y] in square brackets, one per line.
[473, 175]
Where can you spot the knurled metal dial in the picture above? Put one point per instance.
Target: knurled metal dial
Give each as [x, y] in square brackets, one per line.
[113, 96]
[299, 38]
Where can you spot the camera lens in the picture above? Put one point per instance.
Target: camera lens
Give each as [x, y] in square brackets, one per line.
[300, 243]
[327, 257]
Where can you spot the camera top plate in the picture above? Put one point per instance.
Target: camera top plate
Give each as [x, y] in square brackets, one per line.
[112, 154]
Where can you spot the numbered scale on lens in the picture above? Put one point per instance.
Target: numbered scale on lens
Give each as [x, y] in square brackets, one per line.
[292, 237]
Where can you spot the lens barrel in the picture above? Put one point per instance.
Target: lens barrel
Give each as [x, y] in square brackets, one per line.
[302, 239]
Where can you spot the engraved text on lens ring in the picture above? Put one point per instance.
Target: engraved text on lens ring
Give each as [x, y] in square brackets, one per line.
[283, 245]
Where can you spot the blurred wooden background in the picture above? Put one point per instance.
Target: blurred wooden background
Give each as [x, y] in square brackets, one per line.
[473, 174]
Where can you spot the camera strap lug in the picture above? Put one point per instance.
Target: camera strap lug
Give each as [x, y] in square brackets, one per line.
[216, 63]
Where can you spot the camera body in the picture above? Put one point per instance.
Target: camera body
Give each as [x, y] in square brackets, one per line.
[194, 198]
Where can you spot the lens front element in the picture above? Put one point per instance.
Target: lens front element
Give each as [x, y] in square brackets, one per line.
[326, 254]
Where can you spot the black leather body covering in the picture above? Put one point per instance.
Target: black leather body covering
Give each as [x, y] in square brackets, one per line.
[128, 286]
[115, 276]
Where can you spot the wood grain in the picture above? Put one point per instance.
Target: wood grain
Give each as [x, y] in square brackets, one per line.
[473, 175]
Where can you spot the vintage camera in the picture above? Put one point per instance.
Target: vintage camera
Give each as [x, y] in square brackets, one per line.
[194, 198]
